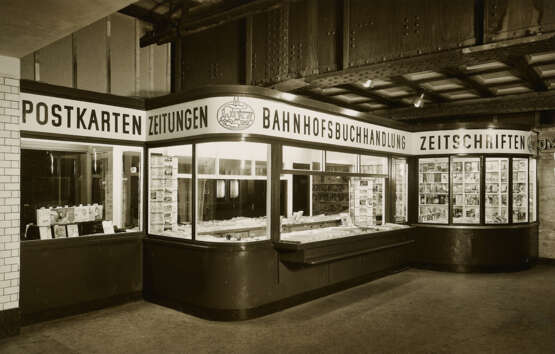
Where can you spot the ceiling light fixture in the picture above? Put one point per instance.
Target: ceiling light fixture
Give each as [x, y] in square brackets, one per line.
[367, 83]
[419, 101]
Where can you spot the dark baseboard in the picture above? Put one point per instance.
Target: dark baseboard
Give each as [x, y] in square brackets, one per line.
[58, 312]
[10, 323]
[246, 314]
[464, 268]
[548, 261]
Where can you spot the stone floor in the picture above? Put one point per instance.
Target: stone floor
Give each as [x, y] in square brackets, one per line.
[414, 311]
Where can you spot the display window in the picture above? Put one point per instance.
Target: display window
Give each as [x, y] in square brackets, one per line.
[399, 176]
[170, 191]
[465, 186]
[433, 190]
[337, 202]
[497, 190]
[231, 187]
[467, 196]
[71, 189]
[533, 200]
[520, 190]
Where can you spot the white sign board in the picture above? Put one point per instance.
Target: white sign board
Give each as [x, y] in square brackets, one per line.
[249, 115]
[46, 114]
[488, 141]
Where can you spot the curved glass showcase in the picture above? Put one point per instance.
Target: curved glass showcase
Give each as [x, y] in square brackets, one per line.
[323, 194]
[477, 190]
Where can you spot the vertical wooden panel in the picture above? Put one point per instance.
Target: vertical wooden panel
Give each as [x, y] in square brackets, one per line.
[303, 46]
[160, 70]
[122, 55]
[55, 63]
[28, 67]
[506, 19]
[92, 71]
[386, 30]
[328, 35]
[260, 27]
[214, 56]
[144, 65]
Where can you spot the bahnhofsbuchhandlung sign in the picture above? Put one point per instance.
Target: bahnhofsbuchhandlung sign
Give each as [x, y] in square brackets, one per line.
[56, 115]
[249, 115]
[492, 141]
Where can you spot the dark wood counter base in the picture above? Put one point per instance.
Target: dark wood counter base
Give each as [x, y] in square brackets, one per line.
[64, 277]
[496, 248]
[227, 282]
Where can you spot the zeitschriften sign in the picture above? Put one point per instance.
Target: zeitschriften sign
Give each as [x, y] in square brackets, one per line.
[475, 141]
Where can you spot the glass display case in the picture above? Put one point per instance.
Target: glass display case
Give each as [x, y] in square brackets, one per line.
[433, 190]
[497, 190]
[399, 175]
[533, 200]
[465, 185]
[506, 187]
[336, 201]
[520, 190]
[71, 189]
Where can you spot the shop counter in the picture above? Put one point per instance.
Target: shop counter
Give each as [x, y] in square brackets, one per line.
[66, 276]
[485, 248]
[237, 281]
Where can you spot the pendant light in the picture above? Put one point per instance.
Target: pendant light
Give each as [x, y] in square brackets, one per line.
[220, 188]
[94, 160]
[234, 189]
[419, 101]
[51, 162]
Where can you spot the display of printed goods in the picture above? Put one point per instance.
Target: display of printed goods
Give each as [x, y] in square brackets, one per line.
[43, 217]
[59, 216]
[45, 232]
[98, 212]
[81, 213]
[60, 231]
[72, 230]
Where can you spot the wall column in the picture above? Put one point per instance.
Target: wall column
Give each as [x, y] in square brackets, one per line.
[9, 196]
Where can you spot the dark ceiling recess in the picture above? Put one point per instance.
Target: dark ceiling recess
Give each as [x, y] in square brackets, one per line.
[178, 18]
[378, 56]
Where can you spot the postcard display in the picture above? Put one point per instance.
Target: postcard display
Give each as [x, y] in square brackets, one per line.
[163, 193]
[366, 204]
[62, 222]
[497, 190]
[433, 190]
[466, 190]
[520, 190]
[330, 194]
[533, 215]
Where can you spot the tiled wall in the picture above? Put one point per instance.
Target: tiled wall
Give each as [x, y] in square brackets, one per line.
[546, 174]
[9, 183]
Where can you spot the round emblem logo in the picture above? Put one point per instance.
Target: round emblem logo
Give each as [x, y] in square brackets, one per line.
[532, 143]
[235, 115]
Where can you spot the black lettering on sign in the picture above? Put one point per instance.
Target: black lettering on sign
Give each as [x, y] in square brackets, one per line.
[422, 143]
[42, 105]
[151, 126]
[27, 109]
[56, 108]
[80, 115]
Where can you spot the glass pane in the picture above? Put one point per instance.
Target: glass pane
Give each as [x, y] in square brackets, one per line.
[74, 189]
[295, 158]
[131, 190]
[373, 164]
[465, 174]
[399, 176]
[170, 192]
[497, 190]
[433, 190]
[533, 215]
[520, 190]
[341, 162]
[231, 206]
[327, 207]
